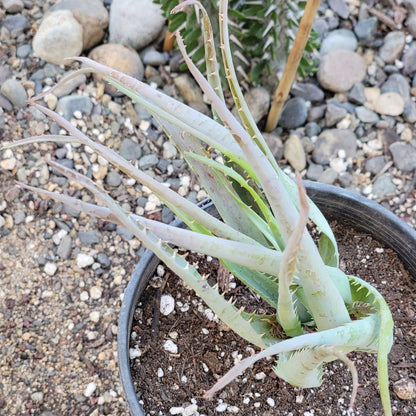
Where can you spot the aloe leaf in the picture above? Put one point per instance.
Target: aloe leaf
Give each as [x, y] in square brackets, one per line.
[180, 206]
[229, 314]
[225, 203]
[357, 335]
[269, 220]
[286, 311]
[367, 293]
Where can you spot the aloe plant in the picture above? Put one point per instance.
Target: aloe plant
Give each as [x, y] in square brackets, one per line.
[262, 238]
[261, 36]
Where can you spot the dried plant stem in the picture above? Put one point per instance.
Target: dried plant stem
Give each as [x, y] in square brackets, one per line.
[292, 64]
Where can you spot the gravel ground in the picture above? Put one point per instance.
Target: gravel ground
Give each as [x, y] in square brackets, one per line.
[62, 274]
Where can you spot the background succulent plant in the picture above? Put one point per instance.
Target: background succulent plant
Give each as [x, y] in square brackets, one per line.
[261, 33]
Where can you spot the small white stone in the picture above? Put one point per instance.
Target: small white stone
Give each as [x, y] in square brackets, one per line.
[84, 260]
[184, 379]
[222, 407]
[246, 400]
[37, 397]
[167, 304]
[233, 409]
[260, 376]
[160, 372]
[160, 271]
[90, 389]
[95, 316]
[270, 402]
[134, 353]
[96, 292]
[84, 296]
[176, 410]
[50, 268]
[170, 346]
[190, 410]
[57, 237]
[299, 399]
[8, 164]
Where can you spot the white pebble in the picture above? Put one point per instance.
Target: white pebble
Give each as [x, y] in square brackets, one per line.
[84, 260]
[222, 407]
[90, 389]
[57, 237]
[95, 316]
[176, 410]
[190, 410]
[170, 346]
[160, 271]
[260, 376]
[160, 372]
[96, 292]
[84, 296]
[167, 304]
[270, 402]
[50, 268]
[184, 379]
[134, 353]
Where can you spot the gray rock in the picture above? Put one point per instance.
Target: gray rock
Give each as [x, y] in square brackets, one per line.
[411, 18]
[392, 47]
[148, 161]
[65, 247]
[61, 30]
[331, 141]
[315, 113]
[13, 6]
[91, 15]
[365, 30]
[150, 56]
[130, 150]
[135, 22]
[320, 26]
[14, 91]
[5, 104]
[339, 39]
[15, 24]
[314, 171]
[307, 91]
[383, 186]
[312, 129]
[334, 114]
[169, 150]
[6, 72]
[404, 156]
[397, 83]
[357, 94]
[339, 70]
[23, 51]
[294, 113]
[375, 164]
[69, 104]
[329, 176]
[409, 112]
[142, 112]
[104, 260]
[124, 232]
[366, 115]
[340, 8]
[167, 215]
[19, 217]
[113, 179]
[89, 237]
[409, 60]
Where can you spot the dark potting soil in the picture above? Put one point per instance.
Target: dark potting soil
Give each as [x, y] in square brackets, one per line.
[174, 383]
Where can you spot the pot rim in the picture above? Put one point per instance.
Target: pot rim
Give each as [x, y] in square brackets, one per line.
[365, 214]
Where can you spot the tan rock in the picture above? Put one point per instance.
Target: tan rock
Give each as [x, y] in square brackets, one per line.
[295, 153]
[390, 104]
[118, 57]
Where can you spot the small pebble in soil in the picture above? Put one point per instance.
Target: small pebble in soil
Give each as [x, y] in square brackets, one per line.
[170, 346]
[167, 304]
[90, 389]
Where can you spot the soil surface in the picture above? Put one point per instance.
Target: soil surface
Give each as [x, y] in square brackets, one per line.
[173, 383]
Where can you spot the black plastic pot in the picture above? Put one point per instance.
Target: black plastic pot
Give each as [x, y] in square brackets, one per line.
[334, 202]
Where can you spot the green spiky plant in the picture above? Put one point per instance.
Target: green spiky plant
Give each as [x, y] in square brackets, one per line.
[262, 239]
[261, 36]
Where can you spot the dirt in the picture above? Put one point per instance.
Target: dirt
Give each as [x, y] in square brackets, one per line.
[169, 383]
